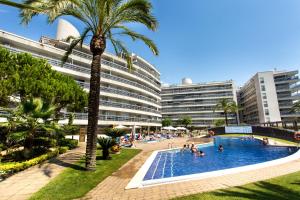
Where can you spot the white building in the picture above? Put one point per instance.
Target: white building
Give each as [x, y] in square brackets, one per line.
[268, 97]
[197, 101]
[126, 98]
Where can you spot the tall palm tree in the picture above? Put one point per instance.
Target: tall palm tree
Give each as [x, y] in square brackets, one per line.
[296, 107]
[104, 21]
[227, 106]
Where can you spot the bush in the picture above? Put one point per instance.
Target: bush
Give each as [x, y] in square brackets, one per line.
[68, 143]
[12, 167]
[44, 142]
[63, 150]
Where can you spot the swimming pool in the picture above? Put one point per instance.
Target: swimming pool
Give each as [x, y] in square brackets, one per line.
[238, 152]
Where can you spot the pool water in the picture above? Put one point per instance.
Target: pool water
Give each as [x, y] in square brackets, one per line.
[238, 151]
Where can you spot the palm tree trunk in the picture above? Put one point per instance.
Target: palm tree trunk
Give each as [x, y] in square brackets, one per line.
[226, 119]
[97, 47]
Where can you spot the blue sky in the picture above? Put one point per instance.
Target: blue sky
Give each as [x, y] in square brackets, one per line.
[206, 40]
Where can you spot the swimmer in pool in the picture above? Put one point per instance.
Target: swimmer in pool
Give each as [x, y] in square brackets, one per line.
[201, 153]
[221, 148]
[193, 149]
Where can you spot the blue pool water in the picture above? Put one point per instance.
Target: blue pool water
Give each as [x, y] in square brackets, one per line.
[237, 152]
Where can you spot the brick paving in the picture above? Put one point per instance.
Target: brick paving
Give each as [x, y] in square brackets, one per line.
[23, 184]
[113, 187]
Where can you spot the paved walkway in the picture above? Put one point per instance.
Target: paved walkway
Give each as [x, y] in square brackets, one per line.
[23, 184]
[113, 186]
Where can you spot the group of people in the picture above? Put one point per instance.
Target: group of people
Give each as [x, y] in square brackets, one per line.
[193, 149]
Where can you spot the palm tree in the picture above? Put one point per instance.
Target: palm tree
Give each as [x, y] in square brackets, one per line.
[296, 107]
[104, 21]
[228, 106]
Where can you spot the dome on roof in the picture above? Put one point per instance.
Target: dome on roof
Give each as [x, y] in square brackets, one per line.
[65, 29]
[187, 81]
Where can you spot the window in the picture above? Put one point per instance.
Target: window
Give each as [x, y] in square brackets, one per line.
[261, 80]
[266, 112]
[263, 88]
[264, 95]
[265, 104]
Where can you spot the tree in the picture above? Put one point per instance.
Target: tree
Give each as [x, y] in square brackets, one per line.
[219, 122]
[105, 143]
[33, 115]
[103, 20]
[166, 122]
[186, 120]
[227, 106]
[296, 107]
[33, 78]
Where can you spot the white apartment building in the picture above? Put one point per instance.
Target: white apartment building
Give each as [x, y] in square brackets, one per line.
[197, 101]
[126, 98]
[269, 96]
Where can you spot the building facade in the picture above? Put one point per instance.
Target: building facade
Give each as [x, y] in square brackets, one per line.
[269, 96]
[197, 101]
[126, 98]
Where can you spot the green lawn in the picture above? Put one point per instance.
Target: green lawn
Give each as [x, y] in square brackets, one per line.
[281, 188]
[75, 182]
[275, 139]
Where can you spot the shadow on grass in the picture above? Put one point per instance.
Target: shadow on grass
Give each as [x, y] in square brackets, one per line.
[262, 191]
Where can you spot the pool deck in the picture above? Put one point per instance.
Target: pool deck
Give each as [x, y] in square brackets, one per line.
[113, 187]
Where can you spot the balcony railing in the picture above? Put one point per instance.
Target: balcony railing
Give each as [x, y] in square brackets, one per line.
[122, 80]
[127, 106]
[119, 92]
[196, 96]
[90, 57]
[84, 116]
[286, 79]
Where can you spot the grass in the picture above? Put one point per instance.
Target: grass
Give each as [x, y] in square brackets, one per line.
[275, 139]
[281, 188]
[75, 182]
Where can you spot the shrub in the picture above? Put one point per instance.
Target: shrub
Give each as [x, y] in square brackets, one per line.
[12, 167]
[68, 143]
[63, 150]
[44, 142]
[105, 143]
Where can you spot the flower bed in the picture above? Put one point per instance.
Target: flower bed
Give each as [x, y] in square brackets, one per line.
[7, 169]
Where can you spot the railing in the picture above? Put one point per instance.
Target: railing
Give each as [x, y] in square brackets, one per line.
[127, 106]
[175, 91]
[125, 69]
[196, 96]
[286, 79]
[90, 57]
[119, 92]
[112, 77]
[74, 67]
[84, 116]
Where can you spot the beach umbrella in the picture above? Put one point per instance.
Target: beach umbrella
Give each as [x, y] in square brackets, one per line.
[121, 127]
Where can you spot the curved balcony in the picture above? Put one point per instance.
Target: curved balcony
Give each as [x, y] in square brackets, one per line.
[119, 92]
[84, 116]
[123, 80]
[90, 57]
[127, 106]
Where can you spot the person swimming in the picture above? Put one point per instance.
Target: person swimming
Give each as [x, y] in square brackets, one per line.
[221, 148]
[201, 153]
[193, 149]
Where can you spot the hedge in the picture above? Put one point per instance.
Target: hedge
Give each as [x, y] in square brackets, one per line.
[68, 143]
[63, 150]
[12, 167]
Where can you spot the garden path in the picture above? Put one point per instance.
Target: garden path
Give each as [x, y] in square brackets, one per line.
[23, 184]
